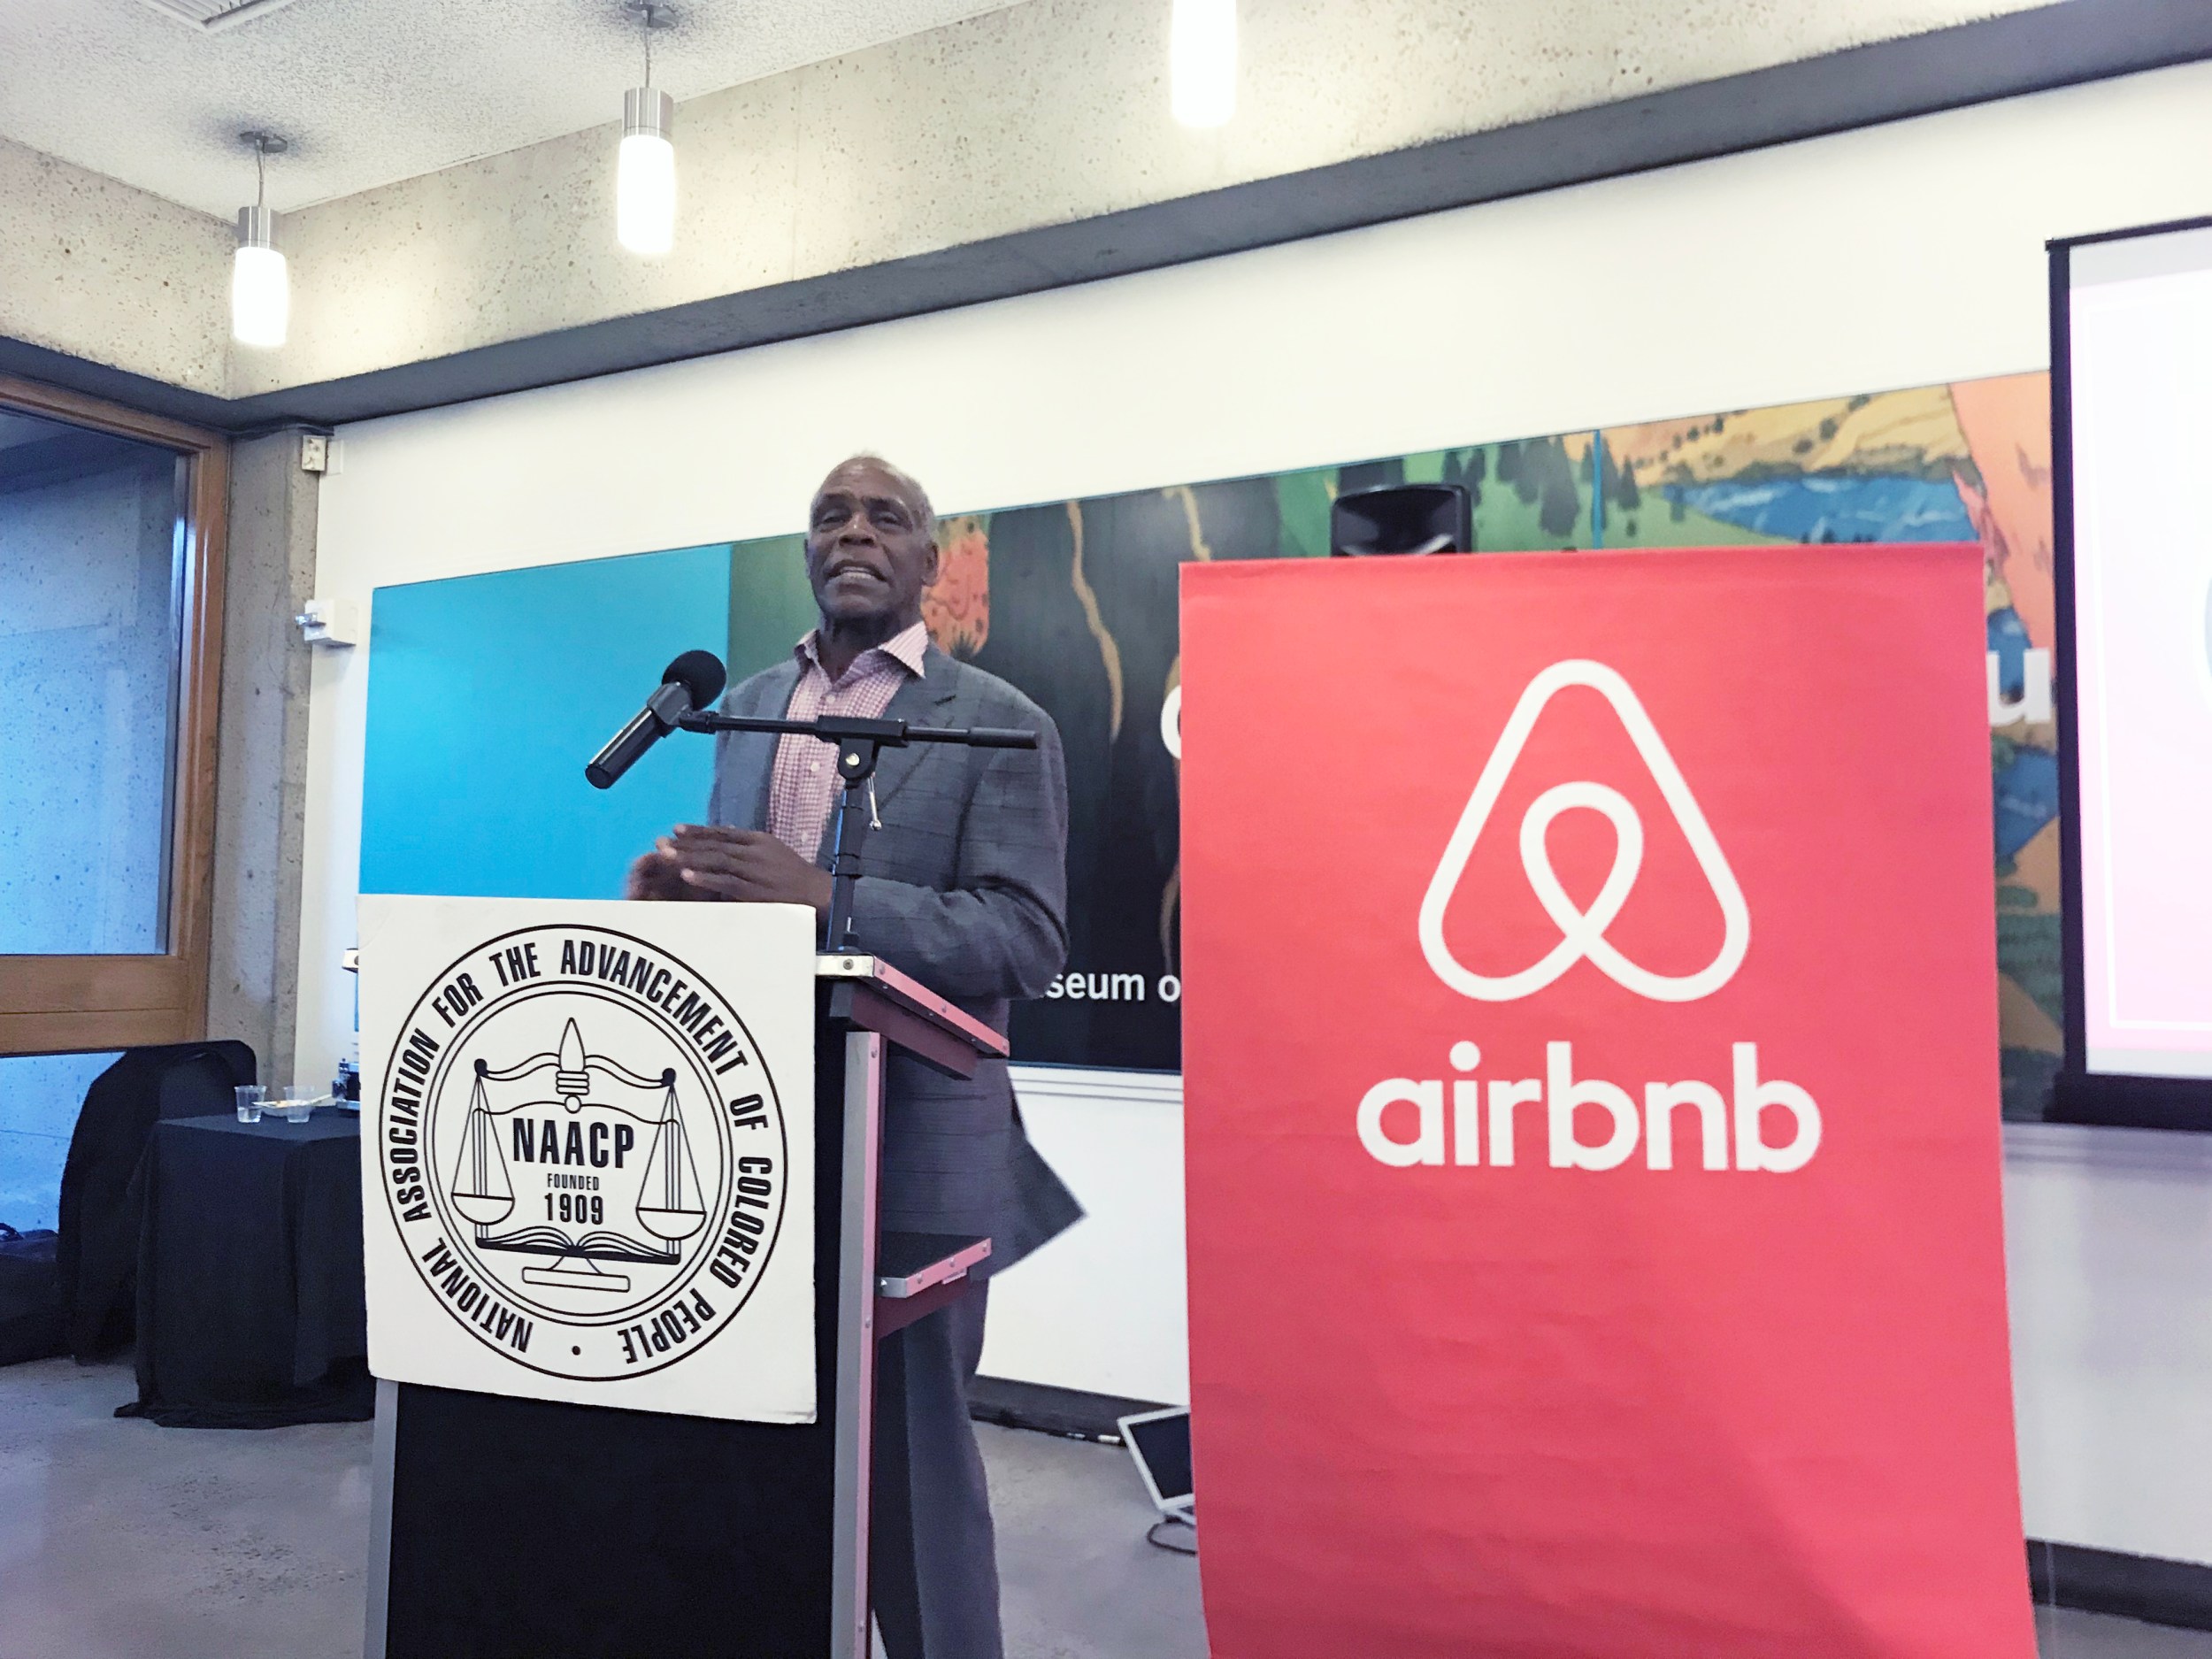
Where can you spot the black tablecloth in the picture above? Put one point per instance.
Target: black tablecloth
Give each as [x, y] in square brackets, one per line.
[251, 1306]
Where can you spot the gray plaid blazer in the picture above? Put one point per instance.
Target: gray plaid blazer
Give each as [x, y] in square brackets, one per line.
[964, 888]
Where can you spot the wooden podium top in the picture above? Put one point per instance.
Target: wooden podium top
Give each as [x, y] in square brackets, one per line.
[868, 992]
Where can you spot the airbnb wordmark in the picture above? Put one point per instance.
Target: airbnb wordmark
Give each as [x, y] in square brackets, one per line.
[1729, 1132]
[1426, 1134]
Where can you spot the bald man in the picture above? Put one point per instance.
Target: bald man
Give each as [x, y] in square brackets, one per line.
[965, 887]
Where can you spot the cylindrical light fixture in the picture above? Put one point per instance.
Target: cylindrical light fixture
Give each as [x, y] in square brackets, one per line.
[260, 287]
[1202, 59]
[645, 172]
[645, 167]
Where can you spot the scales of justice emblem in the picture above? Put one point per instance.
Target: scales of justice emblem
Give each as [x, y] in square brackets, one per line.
[585, 1164]
[667, 1206]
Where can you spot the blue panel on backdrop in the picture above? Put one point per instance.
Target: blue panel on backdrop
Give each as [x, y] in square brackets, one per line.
[487, 695]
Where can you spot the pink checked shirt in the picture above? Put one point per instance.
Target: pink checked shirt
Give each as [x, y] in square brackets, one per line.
[804, 786]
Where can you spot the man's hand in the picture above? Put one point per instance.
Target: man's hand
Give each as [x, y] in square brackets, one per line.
[713, 862]
[657, 875]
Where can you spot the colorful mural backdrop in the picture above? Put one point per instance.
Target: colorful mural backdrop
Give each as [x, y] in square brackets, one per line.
[1075, 603]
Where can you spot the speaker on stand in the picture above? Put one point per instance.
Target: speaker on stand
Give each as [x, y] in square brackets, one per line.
[1402, 521]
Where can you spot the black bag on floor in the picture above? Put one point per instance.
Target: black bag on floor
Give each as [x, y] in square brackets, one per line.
[30, 1297]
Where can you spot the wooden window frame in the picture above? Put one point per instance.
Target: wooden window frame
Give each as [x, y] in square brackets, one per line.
[52, 1004]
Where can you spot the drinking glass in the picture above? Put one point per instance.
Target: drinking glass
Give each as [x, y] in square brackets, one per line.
[297, 1101]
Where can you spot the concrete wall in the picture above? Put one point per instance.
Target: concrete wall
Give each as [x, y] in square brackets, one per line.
[2109, 1235]
[253, 967]
[1894, 257]
[1042, 114]
[91, 267]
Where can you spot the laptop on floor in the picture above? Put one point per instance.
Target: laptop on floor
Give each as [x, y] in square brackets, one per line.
[1159, 1444]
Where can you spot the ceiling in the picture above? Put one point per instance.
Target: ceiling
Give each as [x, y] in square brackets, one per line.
[371, 91]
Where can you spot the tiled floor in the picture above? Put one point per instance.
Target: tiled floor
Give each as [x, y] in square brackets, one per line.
[122, 1540]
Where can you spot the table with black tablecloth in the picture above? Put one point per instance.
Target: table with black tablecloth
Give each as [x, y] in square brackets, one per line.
[251, 1305]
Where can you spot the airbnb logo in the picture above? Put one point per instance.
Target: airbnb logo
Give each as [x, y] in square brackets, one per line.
[1760, 1124]
[1582, 932]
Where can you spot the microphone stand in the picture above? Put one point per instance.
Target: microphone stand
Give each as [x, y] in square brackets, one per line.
[860, 743]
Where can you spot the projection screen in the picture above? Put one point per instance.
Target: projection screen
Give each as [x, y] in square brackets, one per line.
[2133, 405]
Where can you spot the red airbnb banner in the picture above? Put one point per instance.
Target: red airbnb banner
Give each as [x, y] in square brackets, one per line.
[1595, 1244]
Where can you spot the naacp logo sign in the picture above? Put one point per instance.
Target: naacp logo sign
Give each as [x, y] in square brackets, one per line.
[583, 1151]
[1582, 932]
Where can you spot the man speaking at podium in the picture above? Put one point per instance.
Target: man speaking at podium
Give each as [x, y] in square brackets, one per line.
[964, 885]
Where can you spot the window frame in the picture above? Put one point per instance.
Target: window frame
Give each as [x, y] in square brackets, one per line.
[57, 1004]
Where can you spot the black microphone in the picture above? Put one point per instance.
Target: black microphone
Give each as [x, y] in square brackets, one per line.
[998, 737]
[694, 680]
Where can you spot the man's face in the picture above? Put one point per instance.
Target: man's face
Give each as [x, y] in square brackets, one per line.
[869, 551]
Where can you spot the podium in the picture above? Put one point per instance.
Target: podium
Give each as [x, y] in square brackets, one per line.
[507, 1528]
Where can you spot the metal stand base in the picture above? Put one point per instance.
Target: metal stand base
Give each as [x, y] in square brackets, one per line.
[856, 1359]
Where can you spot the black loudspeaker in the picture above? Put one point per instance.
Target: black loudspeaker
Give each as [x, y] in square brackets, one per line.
[1402, 519]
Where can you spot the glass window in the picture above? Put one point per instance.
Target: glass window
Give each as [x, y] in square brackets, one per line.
[38, 1100]
[92, 569]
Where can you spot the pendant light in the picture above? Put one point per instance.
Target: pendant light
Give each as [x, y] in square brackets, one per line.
[645, 167]
[260, 287]
[1202, 59]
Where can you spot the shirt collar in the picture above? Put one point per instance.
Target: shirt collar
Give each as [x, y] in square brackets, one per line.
[909, 648]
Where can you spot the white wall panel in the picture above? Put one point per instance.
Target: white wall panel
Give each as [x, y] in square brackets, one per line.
[1102, 1307]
